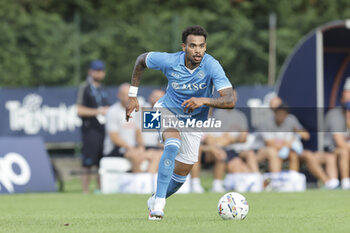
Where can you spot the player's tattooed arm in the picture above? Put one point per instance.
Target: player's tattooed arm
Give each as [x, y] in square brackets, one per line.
[227, 99]
[133, 103]
[139, 67]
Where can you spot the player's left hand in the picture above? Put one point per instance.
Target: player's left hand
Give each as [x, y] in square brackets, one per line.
[191, 104]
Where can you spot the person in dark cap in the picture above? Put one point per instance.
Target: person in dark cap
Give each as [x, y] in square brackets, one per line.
[92, 105]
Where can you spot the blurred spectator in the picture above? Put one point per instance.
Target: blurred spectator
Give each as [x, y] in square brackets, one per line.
[337, 138]
[240, 155]
[227, 150]
[124, 139]
[315, 163]
[209, 153]
[282, 135]
[92, 106]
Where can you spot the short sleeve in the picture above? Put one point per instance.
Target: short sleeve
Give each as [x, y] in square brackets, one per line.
[294, 122]
[157, 60]
[80, 96]
[219, 77]
[335, 121]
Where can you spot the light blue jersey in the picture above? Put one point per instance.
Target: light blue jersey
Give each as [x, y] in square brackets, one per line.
[183, 84]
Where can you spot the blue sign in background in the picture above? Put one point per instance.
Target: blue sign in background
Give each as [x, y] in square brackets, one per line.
[32, 151]
[50, 112]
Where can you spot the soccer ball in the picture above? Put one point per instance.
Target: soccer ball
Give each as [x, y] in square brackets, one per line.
[233, 206]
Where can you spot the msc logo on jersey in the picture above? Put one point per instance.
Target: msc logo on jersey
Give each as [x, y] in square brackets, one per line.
[189, 86]
[152, 119]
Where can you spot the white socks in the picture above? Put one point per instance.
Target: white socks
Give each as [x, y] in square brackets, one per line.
[196, 186]
[345, 183]
[332, 184]
[196, 181]
[218, 186]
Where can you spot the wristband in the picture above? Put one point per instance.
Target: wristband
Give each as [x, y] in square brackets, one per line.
[133, 91]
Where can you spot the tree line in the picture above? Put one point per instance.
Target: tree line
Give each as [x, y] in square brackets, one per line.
[50, 42]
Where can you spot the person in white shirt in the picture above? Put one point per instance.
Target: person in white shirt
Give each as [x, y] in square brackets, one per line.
[124, 139]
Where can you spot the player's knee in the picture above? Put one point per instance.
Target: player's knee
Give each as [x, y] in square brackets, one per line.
[172, 146]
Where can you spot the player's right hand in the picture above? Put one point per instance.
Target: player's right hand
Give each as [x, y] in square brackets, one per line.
[133, 104]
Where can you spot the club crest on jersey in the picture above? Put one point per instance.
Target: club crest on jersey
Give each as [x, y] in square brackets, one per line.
[201, 74]
[175, 75]
[189, 86]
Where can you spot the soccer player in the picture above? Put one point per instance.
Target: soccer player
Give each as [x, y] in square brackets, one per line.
[191, 74]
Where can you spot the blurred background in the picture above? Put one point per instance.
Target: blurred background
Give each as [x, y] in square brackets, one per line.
[47, 46]
[50, 43]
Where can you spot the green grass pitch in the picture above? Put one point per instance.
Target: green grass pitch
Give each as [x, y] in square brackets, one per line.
[311, 211]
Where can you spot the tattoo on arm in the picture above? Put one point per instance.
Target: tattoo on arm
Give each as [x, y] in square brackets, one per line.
[139, 67]
[227, 99]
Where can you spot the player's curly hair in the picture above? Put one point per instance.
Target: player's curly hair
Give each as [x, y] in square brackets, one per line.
[194, 30]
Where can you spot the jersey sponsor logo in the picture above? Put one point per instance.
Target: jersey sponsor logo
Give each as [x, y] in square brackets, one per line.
[14, 169]
[189, 86]
[152, 119]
